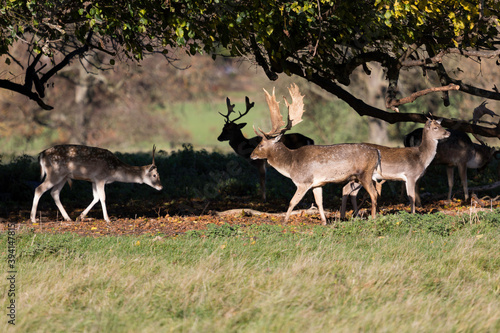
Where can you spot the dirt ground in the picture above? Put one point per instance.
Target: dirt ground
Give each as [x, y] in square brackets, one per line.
[175, 218]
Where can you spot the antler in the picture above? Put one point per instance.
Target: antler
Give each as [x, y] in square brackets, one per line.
[154, 149]
[230, 109]
[295, 111]
[480, 111]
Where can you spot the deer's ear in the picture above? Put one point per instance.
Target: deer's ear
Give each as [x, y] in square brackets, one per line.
[240, 126]
[277, 139]
[152, 167]
[439, 121]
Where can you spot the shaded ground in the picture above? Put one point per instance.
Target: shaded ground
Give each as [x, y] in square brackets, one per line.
[174, 218]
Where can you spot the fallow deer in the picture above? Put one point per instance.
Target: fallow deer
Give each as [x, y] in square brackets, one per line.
[62, 163]
[407, 164]
[243, 147]
[313, 166]
[458, 150]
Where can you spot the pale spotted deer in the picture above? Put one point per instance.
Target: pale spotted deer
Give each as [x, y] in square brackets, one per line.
[407, 164]
[62, 163]
[456, 151]
[314, 166]
[243, 147]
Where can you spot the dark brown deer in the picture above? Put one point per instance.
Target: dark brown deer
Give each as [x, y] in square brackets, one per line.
[61, 164]
[457, 151]
[406, 164]
[314, 166]
[243, 147]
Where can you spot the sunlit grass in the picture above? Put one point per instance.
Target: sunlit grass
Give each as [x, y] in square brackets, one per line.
[260, 279]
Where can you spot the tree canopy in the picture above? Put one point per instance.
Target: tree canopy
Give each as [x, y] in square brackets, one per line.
[320, 40]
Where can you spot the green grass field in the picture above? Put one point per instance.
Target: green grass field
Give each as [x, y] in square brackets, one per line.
[203, 121]
[395, 274]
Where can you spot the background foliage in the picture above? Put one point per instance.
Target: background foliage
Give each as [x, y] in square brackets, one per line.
[324, 42]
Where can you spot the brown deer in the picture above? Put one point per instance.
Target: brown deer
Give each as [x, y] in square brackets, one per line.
[61, 164]
[406, 164]
[243, 147]
[458, 150]
[314, 166]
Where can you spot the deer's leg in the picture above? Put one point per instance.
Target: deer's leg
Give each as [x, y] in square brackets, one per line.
[318, 197]
[55, 192]
[378, 187]
[39, 191]
[449, 174]
[417, 193]
[410, 191]
[102, 197]
[350, 190]
[94, 201]
[367, 183]
[345, 193]
[299, 194]
[262, 177]
[462, 172]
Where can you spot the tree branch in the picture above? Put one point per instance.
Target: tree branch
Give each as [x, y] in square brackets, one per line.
[364, 109]
[393, 104]
[474, 90]
[19, 88]
[438, 58]
[31, 77]
[442, 74]
[260, 59]
[67, 59]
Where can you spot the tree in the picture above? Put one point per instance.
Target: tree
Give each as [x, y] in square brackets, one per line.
[57, 32]
[323, 41]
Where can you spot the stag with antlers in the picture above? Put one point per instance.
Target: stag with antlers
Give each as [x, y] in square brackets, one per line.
[314, 166]
[243, 147]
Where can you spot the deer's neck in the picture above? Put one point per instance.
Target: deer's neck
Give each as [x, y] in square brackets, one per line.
[129, 174]
[427, 149]
[281, 159]
[241, 145]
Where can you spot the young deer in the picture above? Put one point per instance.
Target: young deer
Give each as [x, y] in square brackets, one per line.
[458, 150]
[314, 166]
[406, 164]
[62, 163]
[243, 147]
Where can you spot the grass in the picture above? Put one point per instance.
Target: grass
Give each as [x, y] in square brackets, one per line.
[383, 275]
[203, 121]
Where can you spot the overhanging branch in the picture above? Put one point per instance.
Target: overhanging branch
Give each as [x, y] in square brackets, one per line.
[31, 76]
[393, 104]
[438, 58]
[489, 94]
[364, 109]
[21, 89]
[67, 59]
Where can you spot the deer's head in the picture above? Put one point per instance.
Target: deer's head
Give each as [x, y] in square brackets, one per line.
[230, 128]
[272, 138]
[434, 130]
[152, 177]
